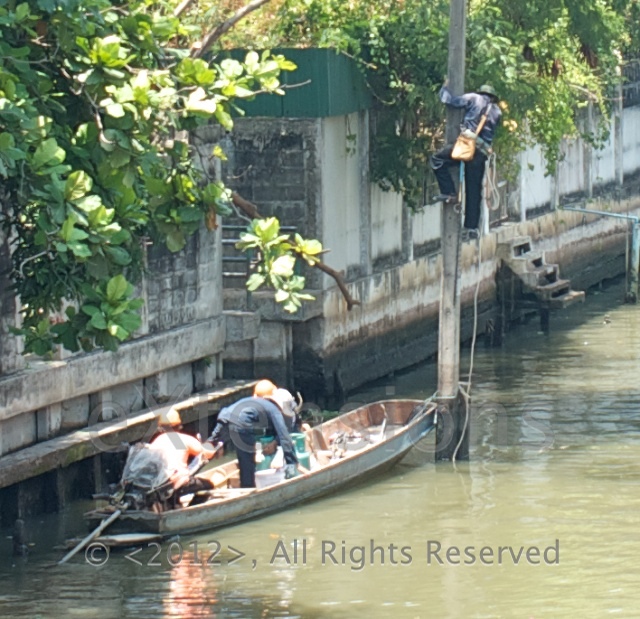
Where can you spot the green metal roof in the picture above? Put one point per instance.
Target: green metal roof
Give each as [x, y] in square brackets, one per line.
[336, 87]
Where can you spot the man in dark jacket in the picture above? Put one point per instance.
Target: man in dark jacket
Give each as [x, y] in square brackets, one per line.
[475, 104]
[247, 419]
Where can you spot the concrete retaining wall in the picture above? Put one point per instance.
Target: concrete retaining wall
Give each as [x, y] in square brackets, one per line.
[178, 351]
[390, 257]
[396, 325]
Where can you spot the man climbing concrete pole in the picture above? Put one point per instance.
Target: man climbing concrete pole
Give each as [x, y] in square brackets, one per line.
[476, 105]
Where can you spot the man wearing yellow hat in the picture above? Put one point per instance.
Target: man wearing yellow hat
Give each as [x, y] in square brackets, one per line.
[286, 403]
[256, 416]
[263, 388]
[179, 448]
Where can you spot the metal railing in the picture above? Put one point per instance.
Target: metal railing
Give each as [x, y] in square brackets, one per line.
[634, 266]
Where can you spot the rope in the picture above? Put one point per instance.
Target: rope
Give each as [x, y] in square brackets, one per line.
[491, 176]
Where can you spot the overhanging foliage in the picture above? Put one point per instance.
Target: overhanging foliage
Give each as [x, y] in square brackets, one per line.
[547, 60]
[96, 98]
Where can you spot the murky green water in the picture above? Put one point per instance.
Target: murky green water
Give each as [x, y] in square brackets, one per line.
[552, 495]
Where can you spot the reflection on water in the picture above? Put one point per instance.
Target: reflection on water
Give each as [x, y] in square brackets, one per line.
[554, 469]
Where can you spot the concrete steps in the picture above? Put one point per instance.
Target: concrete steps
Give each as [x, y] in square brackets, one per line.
[573, 296]
[538, 277]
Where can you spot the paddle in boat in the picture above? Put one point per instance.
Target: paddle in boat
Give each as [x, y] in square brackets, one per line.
[341, 451]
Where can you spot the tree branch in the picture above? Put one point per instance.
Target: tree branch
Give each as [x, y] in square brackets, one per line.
[343, 288]
[225, 26]
[245, 206]
[181, 8]
[252, 211]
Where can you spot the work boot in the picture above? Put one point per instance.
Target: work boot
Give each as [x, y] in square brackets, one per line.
[446, 198]
[470, 234]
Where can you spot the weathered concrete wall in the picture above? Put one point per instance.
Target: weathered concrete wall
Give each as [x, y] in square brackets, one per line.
[425, 228]
[582, 171]
[340, 188]
[277, 165]
[630, 131]
[387, 223]
[390, 257]
[274, 164]
[178, 350]
[184, 287]
[396, 325]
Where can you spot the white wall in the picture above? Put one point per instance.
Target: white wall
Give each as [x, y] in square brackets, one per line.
[340, 182]
[571, 167]
[536, 189]
[572, 177]
[604, 162]
[631, 139]
[386, 222]
[426, 224]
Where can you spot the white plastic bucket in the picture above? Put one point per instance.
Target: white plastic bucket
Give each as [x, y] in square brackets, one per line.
[269, 477]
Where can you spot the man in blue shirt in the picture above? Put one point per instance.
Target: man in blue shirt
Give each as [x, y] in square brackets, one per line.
[247, 419]
[475, 104]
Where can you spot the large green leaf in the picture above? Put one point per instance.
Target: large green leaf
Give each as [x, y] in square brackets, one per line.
[6, 141]
[68, 229]
[22, 12]
[78, 184]
[129, 321]
[119, 255]
[117, 331]
[90, 310]
[255, 281]
[115, 110]
[117, 288]
[48, 153]
[98, 321]
[266, 229]
[283, 266]
[175, 240]
[199, 105]
[88, 203]
[80, 250]
[190, 214]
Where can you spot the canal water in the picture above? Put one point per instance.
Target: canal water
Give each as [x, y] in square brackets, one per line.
[542, 523]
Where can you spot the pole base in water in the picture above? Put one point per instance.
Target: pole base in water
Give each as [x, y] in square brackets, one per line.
[452, 431]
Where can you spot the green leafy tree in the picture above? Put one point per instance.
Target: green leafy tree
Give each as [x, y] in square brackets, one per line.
[547, 60]
[96, 98]
[277, 267]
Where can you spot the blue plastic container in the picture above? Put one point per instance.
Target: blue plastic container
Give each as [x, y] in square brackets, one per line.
[298, 439]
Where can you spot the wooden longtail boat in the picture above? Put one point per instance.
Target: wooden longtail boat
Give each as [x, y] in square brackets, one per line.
[373, 438]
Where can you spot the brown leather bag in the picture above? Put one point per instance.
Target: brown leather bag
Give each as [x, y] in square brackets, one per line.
[464, 148]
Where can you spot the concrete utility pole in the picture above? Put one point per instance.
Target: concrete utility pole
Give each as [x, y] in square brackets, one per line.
[452, 409]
